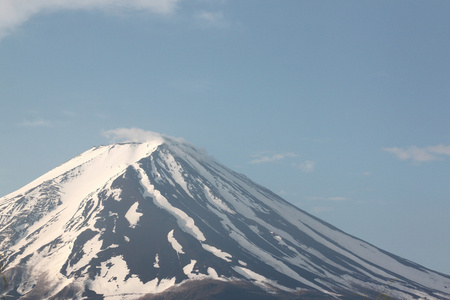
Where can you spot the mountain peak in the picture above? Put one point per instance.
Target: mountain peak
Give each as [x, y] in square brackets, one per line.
[150, 215]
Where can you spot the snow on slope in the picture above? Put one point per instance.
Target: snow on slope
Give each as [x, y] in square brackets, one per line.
[368, 259]
[184, 221]
[77, 181]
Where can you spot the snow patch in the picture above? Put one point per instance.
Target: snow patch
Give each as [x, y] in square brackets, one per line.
[189, 268]
[177, 173]
[133, 215]
[90, 250]
[115, 279]
[242, 263]
[258, 278]
[216, 201]
[212, 273]
[156, 263]
[217, 252]
[115, 194]
[194, 274]
[175, 245]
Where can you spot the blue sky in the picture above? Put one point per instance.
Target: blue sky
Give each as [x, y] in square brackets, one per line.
[341, 107]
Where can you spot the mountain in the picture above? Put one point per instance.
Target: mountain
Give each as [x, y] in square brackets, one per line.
[164, 220]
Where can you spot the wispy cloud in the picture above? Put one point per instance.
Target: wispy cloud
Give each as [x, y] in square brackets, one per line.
[262, 159]
[440, 149]
[419, 155]
[131, 135]
[214, 19]
[307, 166]
[13, 13]
[35, 122]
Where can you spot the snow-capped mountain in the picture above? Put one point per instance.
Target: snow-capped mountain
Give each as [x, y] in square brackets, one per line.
[140, 220]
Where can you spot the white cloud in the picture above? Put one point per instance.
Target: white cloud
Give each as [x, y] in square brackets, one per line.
[439, 149]
[210, 16]
[36, 122]
[215, 19]
[418, 155]
[131, 135]
[261, 159]
[13, 13]
[307, 166]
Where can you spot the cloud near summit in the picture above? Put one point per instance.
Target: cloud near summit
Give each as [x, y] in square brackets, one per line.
[136, 135]
[14, 13]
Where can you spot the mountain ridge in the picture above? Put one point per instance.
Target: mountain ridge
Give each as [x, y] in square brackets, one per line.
[162, 213]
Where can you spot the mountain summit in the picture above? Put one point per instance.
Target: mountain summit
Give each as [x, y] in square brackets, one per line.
[163, 220]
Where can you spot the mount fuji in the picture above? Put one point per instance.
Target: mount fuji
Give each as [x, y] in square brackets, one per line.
[163, 220]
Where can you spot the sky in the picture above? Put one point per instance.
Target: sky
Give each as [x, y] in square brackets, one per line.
[340, 107]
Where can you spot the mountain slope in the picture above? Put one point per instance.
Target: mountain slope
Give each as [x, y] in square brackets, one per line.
[137, 219]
